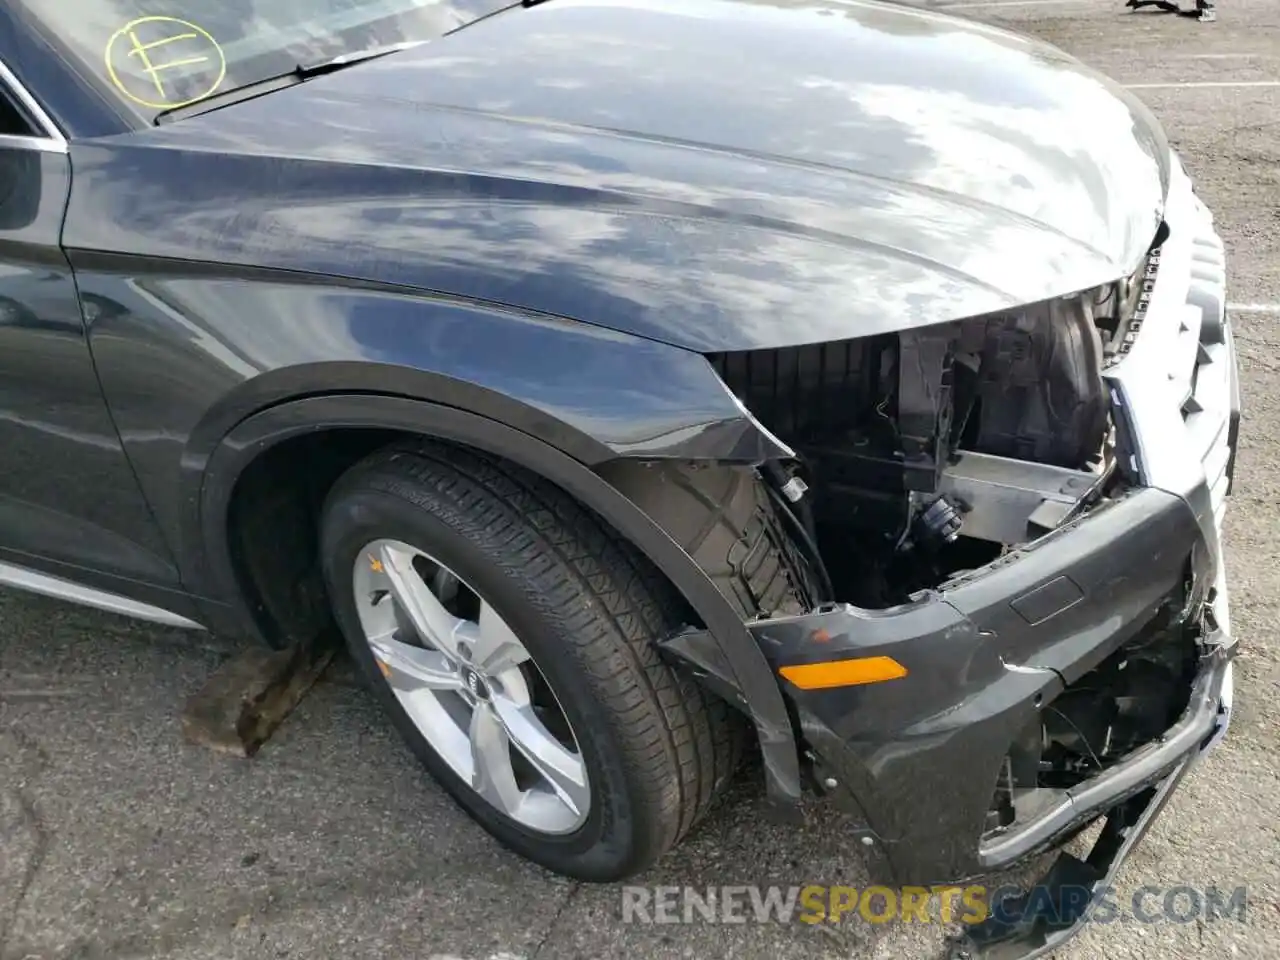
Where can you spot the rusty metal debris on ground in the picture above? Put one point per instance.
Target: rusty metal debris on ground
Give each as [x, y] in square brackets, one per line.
[250, 695]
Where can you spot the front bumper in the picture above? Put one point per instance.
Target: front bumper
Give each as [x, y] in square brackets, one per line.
[918, 757]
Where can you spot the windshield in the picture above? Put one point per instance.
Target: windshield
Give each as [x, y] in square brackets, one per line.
[159, 55]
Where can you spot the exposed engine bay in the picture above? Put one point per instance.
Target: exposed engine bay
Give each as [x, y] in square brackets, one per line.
[936, 449]
[926, 454]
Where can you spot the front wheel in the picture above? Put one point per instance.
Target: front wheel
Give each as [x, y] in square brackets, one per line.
[510, 635]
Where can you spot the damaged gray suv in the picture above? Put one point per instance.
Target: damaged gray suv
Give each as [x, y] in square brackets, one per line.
[636, 383]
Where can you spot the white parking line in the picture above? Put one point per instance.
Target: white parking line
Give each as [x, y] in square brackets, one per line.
[1203, 83]
[1254, 307]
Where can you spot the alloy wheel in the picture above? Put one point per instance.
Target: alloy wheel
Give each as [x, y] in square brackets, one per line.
[470, 687]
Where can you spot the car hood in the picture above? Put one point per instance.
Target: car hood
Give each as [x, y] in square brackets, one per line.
[717, 174]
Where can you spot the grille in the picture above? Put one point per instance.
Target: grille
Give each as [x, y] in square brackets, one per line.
[1121, 308]
[1189, 351]
[1208, 406]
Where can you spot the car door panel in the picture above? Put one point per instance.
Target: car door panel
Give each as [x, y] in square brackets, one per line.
[69, 501]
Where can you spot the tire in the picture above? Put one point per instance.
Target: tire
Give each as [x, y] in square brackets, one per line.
[656, 747]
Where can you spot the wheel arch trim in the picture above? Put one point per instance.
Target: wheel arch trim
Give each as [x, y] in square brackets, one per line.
[208, 495]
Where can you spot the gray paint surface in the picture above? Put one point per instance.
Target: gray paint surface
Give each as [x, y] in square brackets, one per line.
[117, 840]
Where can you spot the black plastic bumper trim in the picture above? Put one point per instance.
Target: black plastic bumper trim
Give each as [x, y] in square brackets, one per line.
[1137, 772]
[1009, 935]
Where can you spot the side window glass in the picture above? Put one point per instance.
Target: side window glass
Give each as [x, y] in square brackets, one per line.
[13, 121]
[20, 170]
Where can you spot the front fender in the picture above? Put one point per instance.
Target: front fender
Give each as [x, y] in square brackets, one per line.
[209, 496]
[185, 354]
[207, 368]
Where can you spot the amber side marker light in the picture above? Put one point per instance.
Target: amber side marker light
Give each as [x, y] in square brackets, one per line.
[843, 673]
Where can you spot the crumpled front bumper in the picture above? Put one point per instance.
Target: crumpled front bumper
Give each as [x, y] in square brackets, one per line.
[919, 756]
[1177, 395]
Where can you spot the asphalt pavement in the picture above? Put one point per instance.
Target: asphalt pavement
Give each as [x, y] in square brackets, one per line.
[118, 840]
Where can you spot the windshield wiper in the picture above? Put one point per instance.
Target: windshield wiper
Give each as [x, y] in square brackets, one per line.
[356, 56]
[298, 74]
